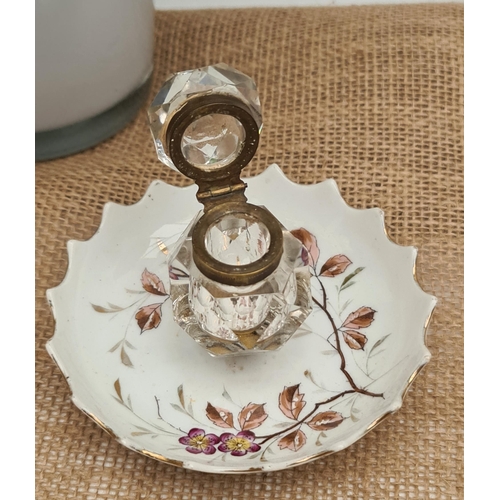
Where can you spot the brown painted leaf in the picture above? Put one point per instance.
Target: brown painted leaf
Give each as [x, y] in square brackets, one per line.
[152, 284]
[310, 254]
[148, 317]
[116, 346]
[118, 388]
[335, 265]
[293, 441]
[321, 436]
[354, 339]
[101, 309]
[180, 394]
[325, 421]
[291, 401]
[361, 318]
[251, 416]
[125, 358]
[220, 417]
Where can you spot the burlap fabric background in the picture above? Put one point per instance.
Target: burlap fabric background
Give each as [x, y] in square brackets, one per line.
[370, 96]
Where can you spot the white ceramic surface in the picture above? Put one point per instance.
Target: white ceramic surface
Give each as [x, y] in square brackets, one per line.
[140, 377]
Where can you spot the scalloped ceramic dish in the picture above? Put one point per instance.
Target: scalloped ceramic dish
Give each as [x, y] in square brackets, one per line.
[141, 378]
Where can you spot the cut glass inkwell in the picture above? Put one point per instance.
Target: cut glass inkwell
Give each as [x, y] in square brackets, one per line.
[238, 283]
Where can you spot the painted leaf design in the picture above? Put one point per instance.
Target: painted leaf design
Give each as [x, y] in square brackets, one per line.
[291, 401]
[325, 421]
[180, 394]
[116, 346]
[335, 265]
[321, 436]
[220, 416]
[345, 283]
[118, 389]
[310, 254]
[252, 416]
[125, 358]
[293, 441]
[101, 309]
[355, 340]
[227, 396]
[152, 284]
[175, 273]
[361, 318]
[148, 317]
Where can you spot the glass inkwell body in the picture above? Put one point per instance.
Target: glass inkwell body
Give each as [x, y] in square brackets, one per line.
[237, 280]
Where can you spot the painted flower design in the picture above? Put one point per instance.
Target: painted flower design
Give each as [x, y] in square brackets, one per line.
[198, 442]
[239, 444]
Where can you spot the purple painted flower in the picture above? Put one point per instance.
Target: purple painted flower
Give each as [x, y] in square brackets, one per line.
[238, 445]
[198, 442]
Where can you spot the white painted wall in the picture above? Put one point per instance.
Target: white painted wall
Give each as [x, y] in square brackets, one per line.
[227, 4]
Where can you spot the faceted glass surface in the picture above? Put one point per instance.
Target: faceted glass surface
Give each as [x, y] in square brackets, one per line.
[234, 320]
[180, 87]
[237, 241]
[213, 141]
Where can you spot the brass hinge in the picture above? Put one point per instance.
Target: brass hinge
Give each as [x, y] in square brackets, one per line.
[220, 191]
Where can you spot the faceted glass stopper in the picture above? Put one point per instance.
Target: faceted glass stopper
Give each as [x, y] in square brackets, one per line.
[237, 241]
[213, 141]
